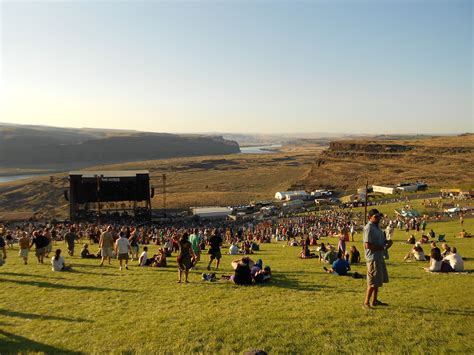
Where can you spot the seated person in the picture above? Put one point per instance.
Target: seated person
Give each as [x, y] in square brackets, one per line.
[432, 234]
[159, 260]
[256, 267]
[455, 260]
[254, 246]
[242, 275]
[143, 259]
[57, 262]
[424, 239]
[246, 249]
[233, 249]
[416, 253]
[446, 250]
[330, 256]
[322, 250]
[354, 255]
[306, 253]
[339, 267]
[411, 240]
[435, 261]
[85, 254]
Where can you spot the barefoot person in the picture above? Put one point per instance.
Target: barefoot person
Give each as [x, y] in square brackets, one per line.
[24, 243]
[374, 246]
[106, 244]
[3, 249]
[122, 248]
[215, 243]
[184, 259]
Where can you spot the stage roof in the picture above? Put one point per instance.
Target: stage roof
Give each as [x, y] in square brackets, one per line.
[108, 173]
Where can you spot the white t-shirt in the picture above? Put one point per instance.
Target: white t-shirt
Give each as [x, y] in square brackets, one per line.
[435, 265]
[143, 258]
[58, 265]
[122, 245]
[233, 250]
[455, 261]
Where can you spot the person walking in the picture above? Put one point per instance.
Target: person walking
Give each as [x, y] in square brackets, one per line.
[106, 244]
[3, 249]
[70, 239]
[184, 259]
[215, 243]
[122, 248]
[374, 246]
[24, 244]
[41, 244]
[195, 240]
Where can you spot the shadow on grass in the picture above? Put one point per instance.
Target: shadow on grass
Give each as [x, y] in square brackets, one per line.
[29, 275]
[5, 312]
[283, 281]
[460, 312]
[67, 287]
[18, 344]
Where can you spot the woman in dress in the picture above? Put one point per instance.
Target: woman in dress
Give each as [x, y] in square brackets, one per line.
[185, 256]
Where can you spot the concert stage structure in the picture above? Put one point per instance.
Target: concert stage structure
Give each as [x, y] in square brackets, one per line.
[109, 193]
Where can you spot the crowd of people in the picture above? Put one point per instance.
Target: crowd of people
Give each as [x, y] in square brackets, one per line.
[188, 241]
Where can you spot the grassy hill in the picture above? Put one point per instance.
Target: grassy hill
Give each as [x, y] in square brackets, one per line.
[303, 310]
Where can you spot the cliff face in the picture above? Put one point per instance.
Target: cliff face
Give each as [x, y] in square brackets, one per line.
[28, 148]
[390, 150]
[438, 161]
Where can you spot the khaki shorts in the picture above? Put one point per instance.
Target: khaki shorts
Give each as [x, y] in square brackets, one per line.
[41, 251]
[106, 252]
[123, 256]
[376, 273]
[23, 253]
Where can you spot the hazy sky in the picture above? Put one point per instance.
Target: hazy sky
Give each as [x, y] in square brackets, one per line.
[240, 66]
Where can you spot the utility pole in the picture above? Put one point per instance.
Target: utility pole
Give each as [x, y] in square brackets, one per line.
[366, 195]
[164, 194]
[98, 200]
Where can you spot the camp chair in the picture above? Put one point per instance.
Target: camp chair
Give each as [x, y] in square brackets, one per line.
[441, 238]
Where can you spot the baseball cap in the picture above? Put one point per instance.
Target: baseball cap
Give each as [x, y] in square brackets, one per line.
[375, 212]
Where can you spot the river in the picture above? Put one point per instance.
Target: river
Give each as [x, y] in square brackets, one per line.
[264, 149]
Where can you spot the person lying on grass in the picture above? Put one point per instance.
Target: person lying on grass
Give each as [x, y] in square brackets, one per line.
[339, 267]
[242, 271]
[57, 262]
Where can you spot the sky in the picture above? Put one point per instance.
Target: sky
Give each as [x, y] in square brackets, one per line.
[239, 66]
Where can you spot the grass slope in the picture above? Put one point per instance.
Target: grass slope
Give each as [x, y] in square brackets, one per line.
[303, 310]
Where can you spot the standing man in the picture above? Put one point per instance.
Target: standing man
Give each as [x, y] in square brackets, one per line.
[3, 249]
[122, 248]
[106, 244]
[195, 240]
[215, 243]
[374, 246]
[70, 239]
[24, 243]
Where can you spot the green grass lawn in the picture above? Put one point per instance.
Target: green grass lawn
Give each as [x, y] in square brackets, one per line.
[302, 310]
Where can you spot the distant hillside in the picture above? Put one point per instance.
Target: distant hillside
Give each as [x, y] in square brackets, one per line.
[438, 161]
[37, 146]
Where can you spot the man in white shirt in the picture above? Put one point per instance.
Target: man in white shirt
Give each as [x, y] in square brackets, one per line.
[143, 257]
[122, 248]
[455, 260]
